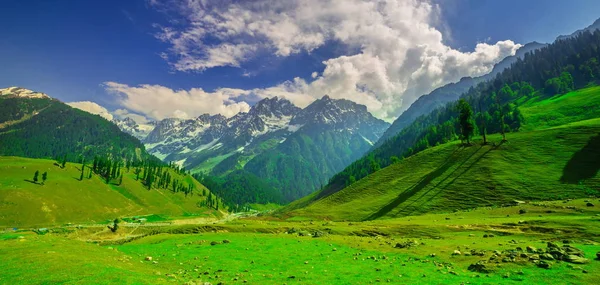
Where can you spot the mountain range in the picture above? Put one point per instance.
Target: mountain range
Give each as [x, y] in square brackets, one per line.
[273, 137]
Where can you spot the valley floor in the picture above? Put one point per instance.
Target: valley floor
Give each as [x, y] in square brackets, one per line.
[261, 250]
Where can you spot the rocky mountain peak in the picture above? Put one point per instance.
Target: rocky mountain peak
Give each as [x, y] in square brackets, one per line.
[22, 92]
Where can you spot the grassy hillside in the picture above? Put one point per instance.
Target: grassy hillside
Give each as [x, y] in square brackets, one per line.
[65, 199]
[557, 156]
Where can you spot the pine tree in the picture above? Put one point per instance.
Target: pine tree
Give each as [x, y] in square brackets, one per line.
[82, 170]
[44, 177]
[465, 120]
[35, 176]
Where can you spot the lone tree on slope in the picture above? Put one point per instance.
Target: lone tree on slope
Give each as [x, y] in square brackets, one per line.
[35, 176]
[44, 177]
[465, 119]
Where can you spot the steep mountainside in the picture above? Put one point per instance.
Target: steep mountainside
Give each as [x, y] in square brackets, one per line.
[34, 125]
[556, 157]
[591, 28]
[331, 134]
[450, 92]
[274, 140]
[203, 142]
[140, 131]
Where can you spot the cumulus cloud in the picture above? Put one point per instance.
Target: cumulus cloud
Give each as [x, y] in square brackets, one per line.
[92, 108]
[158, 102]
[402, 55]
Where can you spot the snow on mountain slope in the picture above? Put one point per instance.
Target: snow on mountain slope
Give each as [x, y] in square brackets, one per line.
[22, 92]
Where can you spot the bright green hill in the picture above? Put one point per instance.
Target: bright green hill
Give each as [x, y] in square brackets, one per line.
[542, 163]
[65, 199]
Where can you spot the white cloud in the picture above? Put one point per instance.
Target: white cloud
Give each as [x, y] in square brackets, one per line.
[402, 55]
[92, 108]
[158, 102]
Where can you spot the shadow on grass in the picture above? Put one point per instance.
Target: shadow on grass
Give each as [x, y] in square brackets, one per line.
[31, 181]
[583, 164]
[405, 195]
[449, 183]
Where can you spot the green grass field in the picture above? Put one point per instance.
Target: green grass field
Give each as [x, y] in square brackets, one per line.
[259, 251]
[550, 159]
[65, 199]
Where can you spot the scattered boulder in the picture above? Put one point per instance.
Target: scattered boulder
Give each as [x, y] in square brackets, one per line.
[576, 259]
[226, 241]
[544, 264]
[480, 267]
[522, 211]
[547, 256]
[148, 258]
[318, 234]
[214, 242]
[456, 252]
[589, 204]
[598, 255]
[406, 244]
[531, 249]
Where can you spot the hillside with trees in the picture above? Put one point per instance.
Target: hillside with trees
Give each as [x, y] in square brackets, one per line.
[48, 128]
[561, 67]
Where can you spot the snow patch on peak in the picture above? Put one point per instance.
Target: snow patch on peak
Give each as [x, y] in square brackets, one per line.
[22, 92]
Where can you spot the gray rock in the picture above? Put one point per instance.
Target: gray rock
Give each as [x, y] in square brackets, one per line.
[576, 259]
[480, 267]
[547, 256]
[544, 264]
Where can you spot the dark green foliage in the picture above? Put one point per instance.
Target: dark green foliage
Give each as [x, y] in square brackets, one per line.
[565, 65]
[306, 160]
[35, 176]
[44, 177]
[465, 119]
[115, 226]
[82, 171]
[57, 130]
[241, 187]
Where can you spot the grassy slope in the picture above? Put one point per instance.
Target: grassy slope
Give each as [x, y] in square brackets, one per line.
[543, 162]
[66, 199]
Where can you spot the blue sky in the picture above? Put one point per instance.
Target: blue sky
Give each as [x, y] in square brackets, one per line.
[70, 49]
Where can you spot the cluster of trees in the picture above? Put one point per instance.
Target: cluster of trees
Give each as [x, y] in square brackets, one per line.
[36, 177]
[107, 168]
[240, 188]
[490, 107]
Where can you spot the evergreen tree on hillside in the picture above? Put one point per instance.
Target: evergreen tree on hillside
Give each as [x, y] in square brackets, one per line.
[35, 176]
[44, 177]
[465, 120]
[82, 170]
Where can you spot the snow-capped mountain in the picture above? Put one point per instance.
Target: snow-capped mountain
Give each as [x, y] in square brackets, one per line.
[183, 140]
[341, 114]
[131, 127]
[22, 92]
[206, 141]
